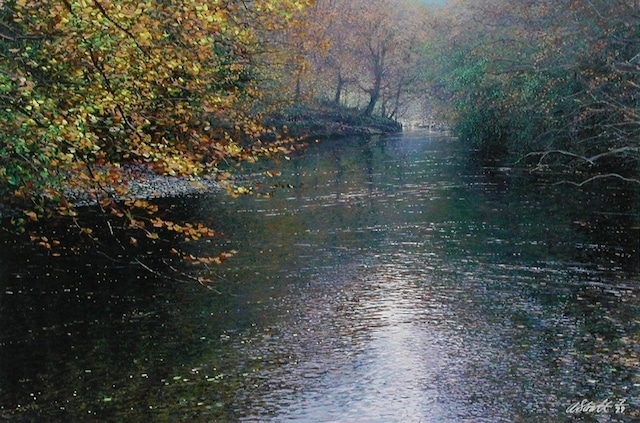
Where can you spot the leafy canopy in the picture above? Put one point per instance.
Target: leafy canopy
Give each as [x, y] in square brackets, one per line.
[88, 85]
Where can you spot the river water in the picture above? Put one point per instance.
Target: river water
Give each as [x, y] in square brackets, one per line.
[387, 280]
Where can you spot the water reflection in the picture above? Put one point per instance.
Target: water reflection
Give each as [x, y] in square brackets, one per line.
[393, 282]
[394, 375]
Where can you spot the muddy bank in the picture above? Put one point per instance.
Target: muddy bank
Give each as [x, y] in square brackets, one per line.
[326, 121]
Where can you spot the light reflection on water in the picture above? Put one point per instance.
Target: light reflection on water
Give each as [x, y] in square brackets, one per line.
[394, 376]
[391, 284]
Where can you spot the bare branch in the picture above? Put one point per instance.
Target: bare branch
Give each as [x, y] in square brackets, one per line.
[593, 178]
[545, 154]
[612, 152]
[590, 160]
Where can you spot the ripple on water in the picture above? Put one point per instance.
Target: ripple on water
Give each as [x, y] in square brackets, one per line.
[393, 283]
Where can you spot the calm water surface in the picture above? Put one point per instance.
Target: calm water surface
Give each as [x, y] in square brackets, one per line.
[387, 280]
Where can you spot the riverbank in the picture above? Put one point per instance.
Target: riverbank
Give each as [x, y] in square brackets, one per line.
[317, 122]
[140, 182]
[134, 182]
[326, 121]
[320, 121]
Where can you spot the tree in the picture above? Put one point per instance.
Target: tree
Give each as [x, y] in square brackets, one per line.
[385, 37]
[544, 79]
[89, 85]
[367, 48]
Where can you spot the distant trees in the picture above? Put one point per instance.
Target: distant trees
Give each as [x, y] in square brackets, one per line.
[366, 52]
[557, 80]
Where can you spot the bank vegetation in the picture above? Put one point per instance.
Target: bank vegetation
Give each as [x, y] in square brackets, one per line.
[553, 85]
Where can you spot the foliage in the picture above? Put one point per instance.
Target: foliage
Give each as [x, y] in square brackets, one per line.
[556, 80]
[359, 52]
[89, 85]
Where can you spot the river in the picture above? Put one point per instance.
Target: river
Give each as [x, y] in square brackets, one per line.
[388, 279]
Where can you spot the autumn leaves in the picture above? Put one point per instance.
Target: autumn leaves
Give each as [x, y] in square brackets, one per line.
[363, 53]
[89, 85]
[110, 81]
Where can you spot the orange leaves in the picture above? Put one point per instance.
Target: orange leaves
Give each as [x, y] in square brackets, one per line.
[271, 174]
[44, 242]
[31, 215]
[236, 191]
[217, 260]
[100, 83]
[147, 206]
[192, 232]
[158, 223]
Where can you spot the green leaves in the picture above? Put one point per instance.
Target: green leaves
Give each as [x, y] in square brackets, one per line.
[543, 75]
[86, 86]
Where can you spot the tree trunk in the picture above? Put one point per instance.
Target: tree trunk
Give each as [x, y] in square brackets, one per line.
[339, 87]
[298, 93]
[374, 95]
[378, 71]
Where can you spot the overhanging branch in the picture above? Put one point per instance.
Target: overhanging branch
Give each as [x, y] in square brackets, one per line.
[603, 176]
[591, 160]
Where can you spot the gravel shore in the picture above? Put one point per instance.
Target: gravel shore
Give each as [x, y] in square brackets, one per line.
[142, 183]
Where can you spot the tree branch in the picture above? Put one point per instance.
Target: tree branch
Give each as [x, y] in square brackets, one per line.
[590, 160]
[593, 178]
[120, 27]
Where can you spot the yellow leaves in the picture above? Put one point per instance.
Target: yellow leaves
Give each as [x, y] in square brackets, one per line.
[232, 149]
[118, 82]
[35, 104]
[144, 37]
[242, 190]
[31, 215]
[217, 260]
[67, 211]
[219, 17]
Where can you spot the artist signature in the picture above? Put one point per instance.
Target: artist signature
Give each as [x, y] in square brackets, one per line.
[606, 406]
